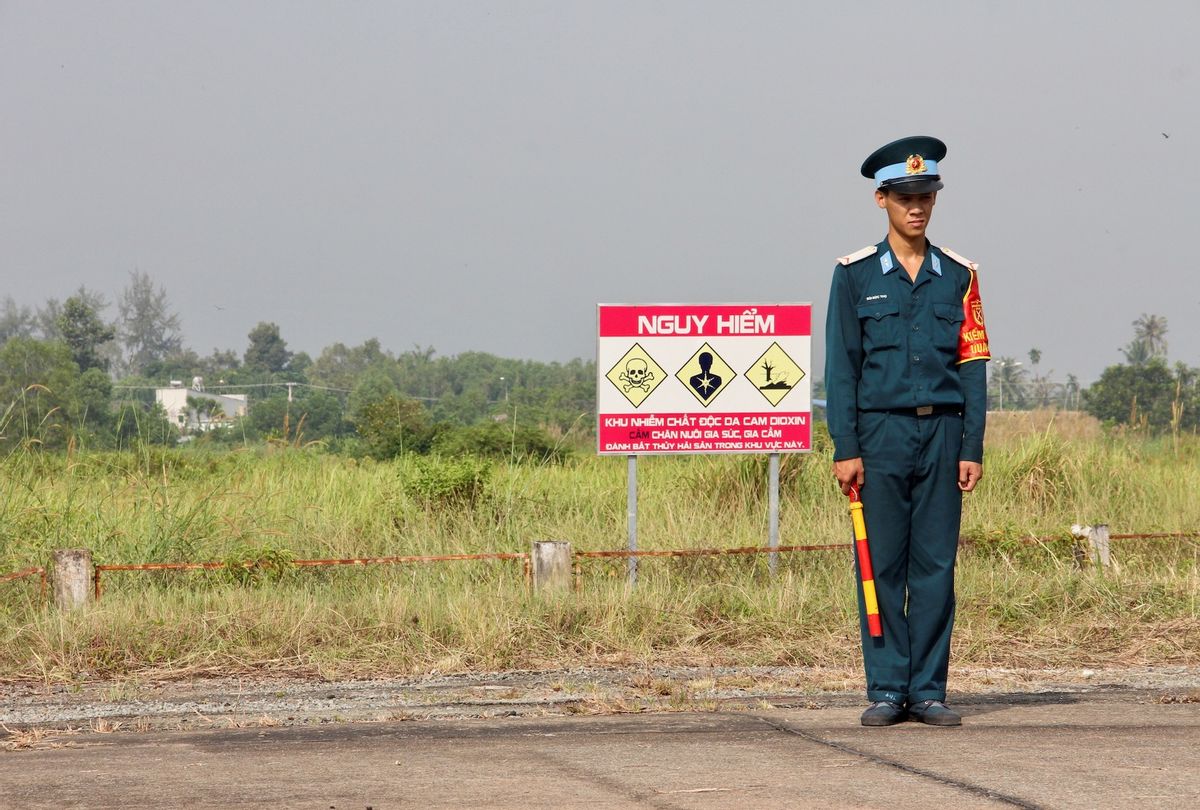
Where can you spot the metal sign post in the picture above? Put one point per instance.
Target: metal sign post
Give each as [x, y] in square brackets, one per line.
[773, 511]
[631, 515]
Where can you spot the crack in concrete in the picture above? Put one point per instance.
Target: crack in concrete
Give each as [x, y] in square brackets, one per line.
[949, 781]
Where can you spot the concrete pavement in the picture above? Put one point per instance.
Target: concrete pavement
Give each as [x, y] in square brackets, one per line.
[1100, 750]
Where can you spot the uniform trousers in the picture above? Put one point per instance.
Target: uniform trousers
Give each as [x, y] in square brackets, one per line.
[912, 506]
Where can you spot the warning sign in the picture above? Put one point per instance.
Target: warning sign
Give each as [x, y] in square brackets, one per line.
[774, 374]
[636, 375]
[742, 378]
[706, 375]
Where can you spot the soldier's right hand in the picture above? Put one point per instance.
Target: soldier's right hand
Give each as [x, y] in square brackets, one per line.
[849, 472]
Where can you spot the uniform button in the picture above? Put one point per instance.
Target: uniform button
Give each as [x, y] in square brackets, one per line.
[916, 328]
[916, 358]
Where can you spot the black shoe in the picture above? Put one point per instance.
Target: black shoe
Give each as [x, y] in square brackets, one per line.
[934, 713]
[883, 713]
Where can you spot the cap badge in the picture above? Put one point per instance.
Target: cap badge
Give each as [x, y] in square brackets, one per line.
[915, 165]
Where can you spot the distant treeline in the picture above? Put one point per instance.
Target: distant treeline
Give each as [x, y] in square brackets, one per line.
[71, 376]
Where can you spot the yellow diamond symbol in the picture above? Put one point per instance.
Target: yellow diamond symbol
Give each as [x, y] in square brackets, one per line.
[706, 375]
[774, 374]
[636, 375]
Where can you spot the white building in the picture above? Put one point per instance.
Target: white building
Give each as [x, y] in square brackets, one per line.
[199, 414]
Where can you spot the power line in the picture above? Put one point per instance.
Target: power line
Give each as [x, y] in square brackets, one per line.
[223, 386]
[231, 385]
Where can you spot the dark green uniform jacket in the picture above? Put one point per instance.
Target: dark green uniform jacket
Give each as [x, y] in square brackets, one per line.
[892, 342]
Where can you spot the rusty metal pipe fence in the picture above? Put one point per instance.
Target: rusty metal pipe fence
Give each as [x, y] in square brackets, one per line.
[525, 558]
[37, 571]
[527, 568]
[361, 561]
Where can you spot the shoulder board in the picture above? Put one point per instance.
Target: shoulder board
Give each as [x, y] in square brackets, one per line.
[858, 255]
[964, 261]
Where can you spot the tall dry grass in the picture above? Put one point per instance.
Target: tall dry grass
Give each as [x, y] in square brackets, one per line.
[1021, 602]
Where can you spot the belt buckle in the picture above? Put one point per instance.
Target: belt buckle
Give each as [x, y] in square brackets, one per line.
[924, 410]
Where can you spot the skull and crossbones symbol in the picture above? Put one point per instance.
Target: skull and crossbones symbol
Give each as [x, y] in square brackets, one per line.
[637, 374]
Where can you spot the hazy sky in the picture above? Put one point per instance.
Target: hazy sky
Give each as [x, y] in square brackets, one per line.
[470, 175]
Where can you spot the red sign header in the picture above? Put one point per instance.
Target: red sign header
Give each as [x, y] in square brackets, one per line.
[704, 321]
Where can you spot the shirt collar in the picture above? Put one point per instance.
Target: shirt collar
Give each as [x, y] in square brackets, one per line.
[887, 264]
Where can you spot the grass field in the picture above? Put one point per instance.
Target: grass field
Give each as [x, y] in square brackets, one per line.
[1022, 602]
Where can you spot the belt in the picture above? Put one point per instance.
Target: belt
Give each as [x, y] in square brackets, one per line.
[923, 410]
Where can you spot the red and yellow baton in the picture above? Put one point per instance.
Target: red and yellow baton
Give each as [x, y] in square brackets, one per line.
[874, 625]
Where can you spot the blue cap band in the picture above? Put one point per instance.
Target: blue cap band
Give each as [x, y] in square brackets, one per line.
[897, 170]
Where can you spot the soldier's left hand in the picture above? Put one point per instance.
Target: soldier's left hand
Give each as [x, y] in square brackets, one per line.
[969, 473]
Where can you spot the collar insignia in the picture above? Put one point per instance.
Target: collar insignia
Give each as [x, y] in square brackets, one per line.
[914, 165]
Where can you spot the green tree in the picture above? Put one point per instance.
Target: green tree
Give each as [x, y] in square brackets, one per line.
[148, 330]
[15, 321]
[48, 314]
[1151, 330]
[1137, 353]
[311, 416]
[215, 369]
[135, 424]
[47, 319]
[299, 364]
[394, 425]
[270, 418]
[373, 386]
[37, 390]
[1140, 395]
[341, 366]
[92, 401]
[85, 333]
[1149, 340]
[182, 364]
[219, 364]
[268, 350]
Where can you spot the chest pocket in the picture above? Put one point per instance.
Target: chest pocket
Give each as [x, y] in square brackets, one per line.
[880, 324]
[947, 324]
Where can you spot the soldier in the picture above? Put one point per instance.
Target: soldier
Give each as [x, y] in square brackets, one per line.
[906, 407]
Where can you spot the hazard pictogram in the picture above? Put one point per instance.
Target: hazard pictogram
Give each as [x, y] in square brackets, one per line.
[706, 375]
[636, 375]
[774, 374]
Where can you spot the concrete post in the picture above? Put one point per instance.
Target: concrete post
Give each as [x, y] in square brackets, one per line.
[72, 571]
[1091, 543]
[551, 566]
[1098, 544]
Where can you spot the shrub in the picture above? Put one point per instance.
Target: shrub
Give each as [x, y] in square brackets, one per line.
[500, 441]
[392, 426]
[452, 482]
[249, 565]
